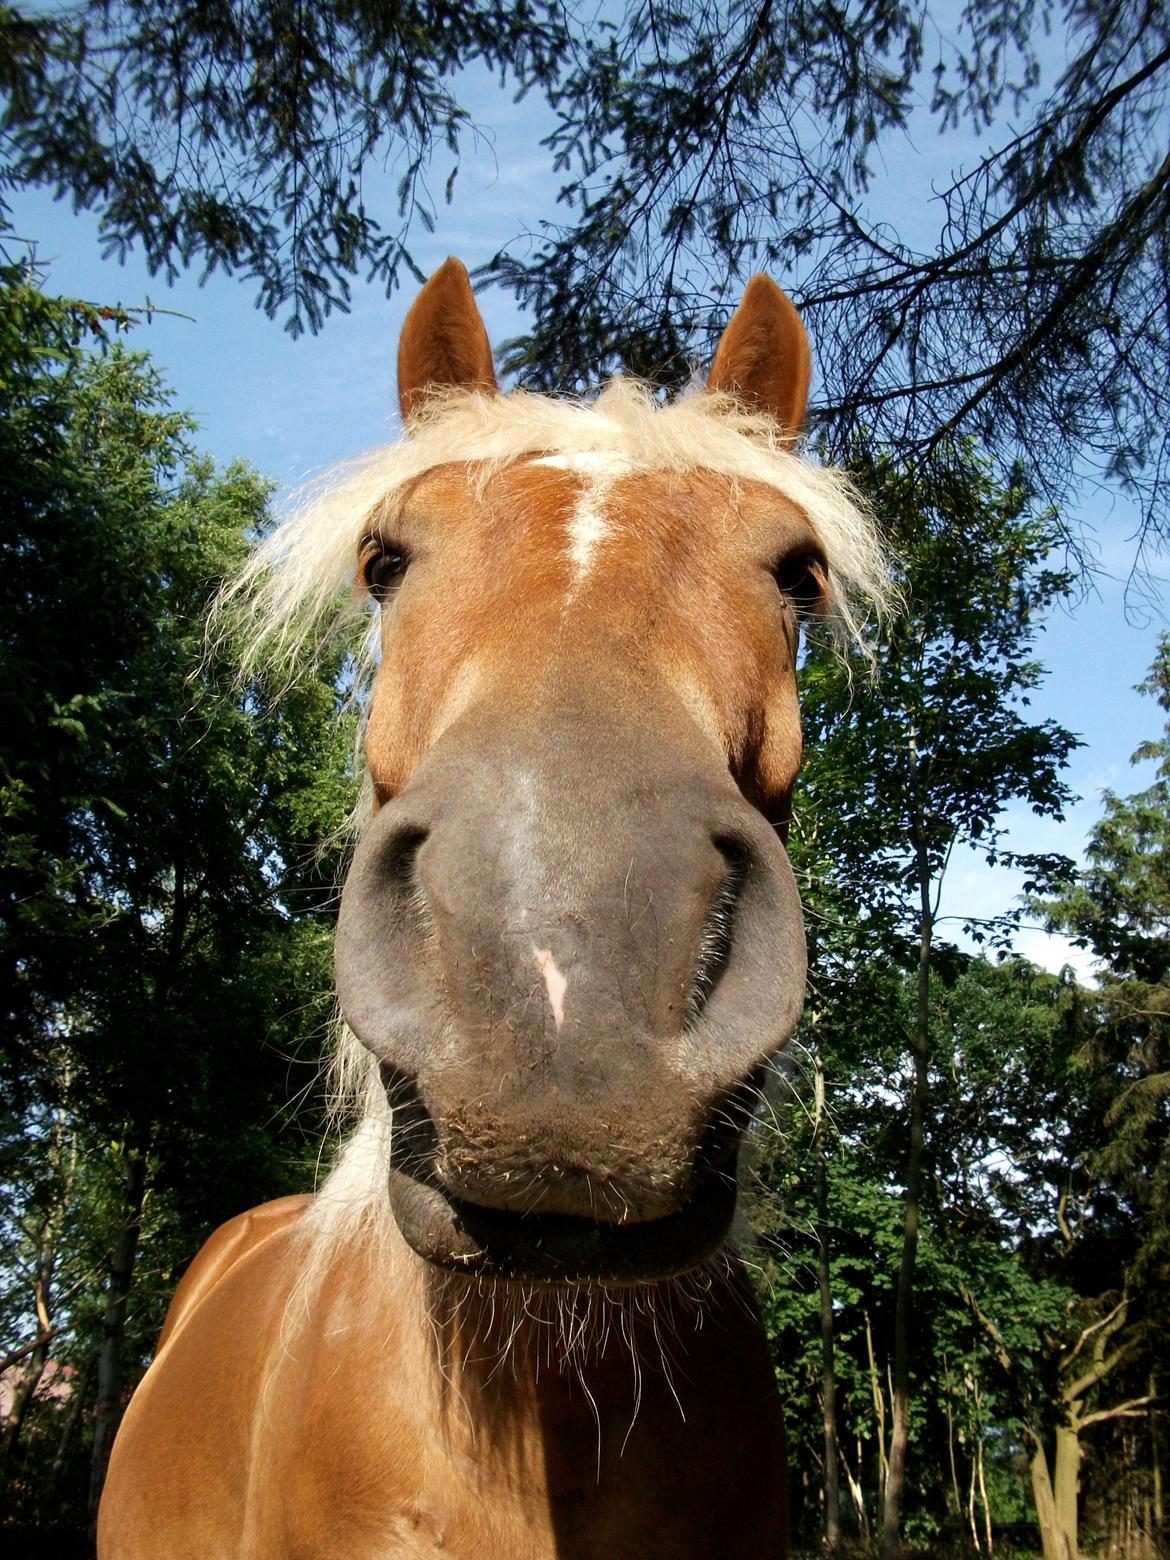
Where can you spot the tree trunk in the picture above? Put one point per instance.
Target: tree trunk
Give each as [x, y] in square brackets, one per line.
[986, 1504]
[1068, 1473]
[879, 1412]
[68, 1435]
[828, 1368]
[28, 1376]
[1158, 1509]
[900, 1432]
[1051, 1538]
[971, 1522]
[856, 1493]
[28, 1379]
[951, 1454]
[107, 1409]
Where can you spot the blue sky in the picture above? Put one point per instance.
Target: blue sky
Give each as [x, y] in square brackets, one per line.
[294, 407]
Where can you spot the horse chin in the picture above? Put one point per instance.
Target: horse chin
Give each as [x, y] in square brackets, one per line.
[561, 1249]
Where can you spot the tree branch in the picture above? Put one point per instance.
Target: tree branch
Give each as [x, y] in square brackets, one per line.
[1133, 1409]
[15, 1357]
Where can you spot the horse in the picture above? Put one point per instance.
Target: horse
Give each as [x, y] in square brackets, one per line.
[514, 1322]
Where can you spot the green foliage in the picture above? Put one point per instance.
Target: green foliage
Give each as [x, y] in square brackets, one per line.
[992, 1302]
[914, 750]
[1119, 907]
[165, 912]
[1041, 1271]
[925, 751]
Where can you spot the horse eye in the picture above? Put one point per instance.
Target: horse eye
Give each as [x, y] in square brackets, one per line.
[383, 568]
[801, 579]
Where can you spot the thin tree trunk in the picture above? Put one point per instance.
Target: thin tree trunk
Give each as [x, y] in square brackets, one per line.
[23, 1389]
[971, 1522]
[900, 1432]
[828, 1368]
[951, 1451]
[69, 1429]
[1158, 1524]
[981, 1454]
[978, 1464]
[33, 1368]
[856, 1493]
[879, 1412]
[107, 1409]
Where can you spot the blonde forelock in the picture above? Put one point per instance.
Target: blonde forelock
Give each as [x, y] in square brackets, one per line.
[297, 588]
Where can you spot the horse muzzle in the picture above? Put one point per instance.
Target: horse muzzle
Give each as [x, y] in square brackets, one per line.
[573, 1002]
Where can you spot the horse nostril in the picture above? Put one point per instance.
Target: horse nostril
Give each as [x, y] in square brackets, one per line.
[399, 854]
[715, 940]
[398, 872]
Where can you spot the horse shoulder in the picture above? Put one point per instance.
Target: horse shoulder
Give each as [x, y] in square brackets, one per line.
[222, 1250]
[180, 1469]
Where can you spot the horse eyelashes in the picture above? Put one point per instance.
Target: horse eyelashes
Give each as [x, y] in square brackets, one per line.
[802, 580]
[382, 568]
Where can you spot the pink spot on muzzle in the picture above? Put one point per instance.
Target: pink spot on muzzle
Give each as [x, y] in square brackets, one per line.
[554, 982]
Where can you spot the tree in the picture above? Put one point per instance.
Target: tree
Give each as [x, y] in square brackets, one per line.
[1040, 1239]
[239, 135]
[164, 912]
[919, 759]
[1119, 907]
[697, 142]
[700, 142]
[1004, 1037]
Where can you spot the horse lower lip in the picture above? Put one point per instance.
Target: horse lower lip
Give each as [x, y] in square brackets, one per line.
[558, 1248]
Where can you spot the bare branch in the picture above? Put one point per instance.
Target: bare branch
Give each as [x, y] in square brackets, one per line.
[1133, 1409]
[39, 1342]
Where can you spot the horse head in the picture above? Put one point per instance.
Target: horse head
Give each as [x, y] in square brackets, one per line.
[570, 935]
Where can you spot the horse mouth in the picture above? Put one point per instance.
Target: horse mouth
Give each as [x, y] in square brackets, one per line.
[558, 1248]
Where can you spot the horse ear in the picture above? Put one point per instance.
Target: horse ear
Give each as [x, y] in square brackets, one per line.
[443, 341]
[763, 355]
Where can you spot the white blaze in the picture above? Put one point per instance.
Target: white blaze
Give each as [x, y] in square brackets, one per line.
[554, 982]
[587, 528]
[588, 525]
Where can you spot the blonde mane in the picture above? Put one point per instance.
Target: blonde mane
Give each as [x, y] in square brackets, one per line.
[297, 592]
